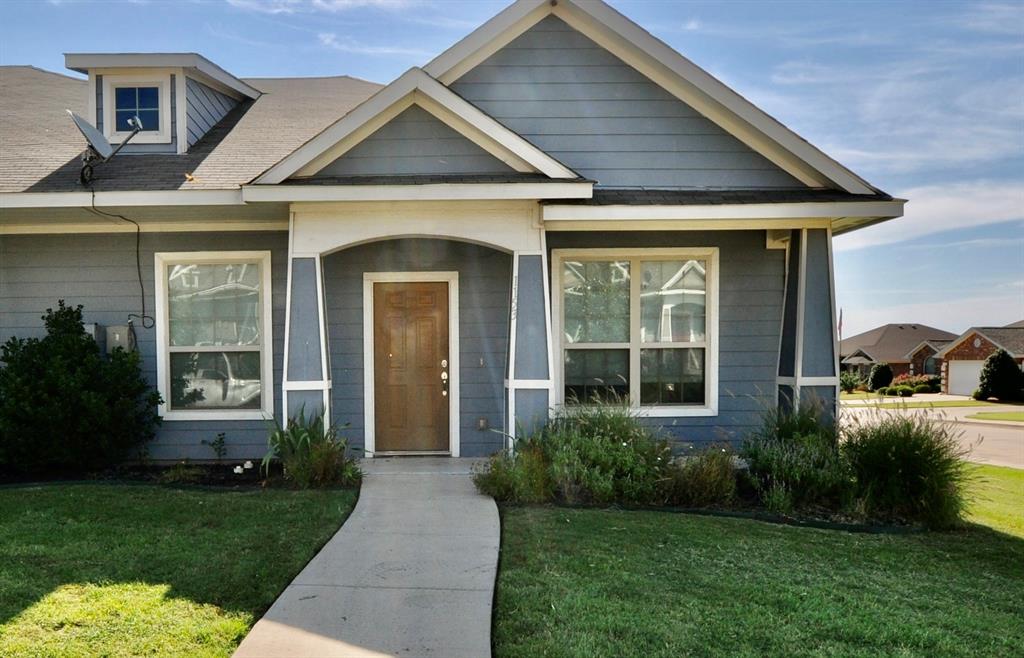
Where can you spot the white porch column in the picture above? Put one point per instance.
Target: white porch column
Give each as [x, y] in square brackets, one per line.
[809, 350]
[530, 346]
[306, 383]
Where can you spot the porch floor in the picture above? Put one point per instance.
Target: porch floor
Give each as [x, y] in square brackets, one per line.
[411, 572]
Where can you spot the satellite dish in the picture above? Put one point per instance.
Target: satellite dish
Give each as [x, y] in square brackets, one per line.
[99, 148]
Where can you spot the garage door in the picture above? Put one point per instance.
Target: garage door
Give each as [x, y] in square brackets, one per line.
[963, 376]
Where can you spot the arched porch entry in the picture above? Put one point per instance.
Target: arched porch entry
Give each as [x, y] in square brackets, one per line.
[458, 287]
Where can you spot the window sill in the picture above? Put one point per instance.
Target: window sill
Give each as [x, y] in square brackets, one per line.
[659, 412]
[218, 414]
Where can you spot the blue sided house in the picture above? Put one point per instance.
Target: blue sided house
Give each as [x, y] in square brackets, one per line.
[557, 208]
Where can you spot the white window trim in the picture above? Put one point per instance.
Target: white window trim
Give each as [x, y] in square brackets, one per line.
[711, 349]
[160, 80]
[163, 370]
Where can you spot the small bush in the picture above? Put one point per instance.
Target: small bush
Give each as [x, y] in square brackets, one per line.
[978, 395]
[902, 391]
[880, 376]
[64, 407]
[311, 454]
[794, 459]
[701, 480]
[1001, 377]
[597, 453]
[908, 468]
[849, 381]
[520, 478]
[923, 388]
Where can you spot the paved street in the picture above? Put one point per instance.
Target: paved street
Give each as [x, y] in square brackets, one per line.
[1001, 444]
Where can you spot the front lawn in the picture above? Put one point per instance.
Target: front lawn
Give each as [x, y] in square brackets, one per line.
[1014, 416]
[612, 583]
[121, 570]
[909, 403]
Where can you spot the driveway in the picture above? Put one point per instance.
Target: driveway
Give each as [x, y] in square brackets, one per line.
[1001, 444]
[411, 573]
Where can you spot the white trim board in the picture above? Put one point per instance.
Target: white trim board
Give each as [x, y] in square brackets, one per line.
[369, 373]
[426, 192]
[665, 67]
[89, 62]
[415, 87]
[710, 344]
[266, 348]
[782, 213]
[127, 198]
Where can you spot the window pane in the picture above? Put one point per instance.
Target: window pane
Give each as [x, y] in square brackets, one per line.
[215, 380]
[125, 98]
[214, 304]
[590, 374]
[149, 98]
[121, 120]
[150, 119]
[596, 301]
[672, 376]
[672, 301]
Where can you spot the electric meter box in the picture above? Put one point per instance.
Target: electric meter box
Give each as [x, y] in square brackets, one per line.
[117, 336]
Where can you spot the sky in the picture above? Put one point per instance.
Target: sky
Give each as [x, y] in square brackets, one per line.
[925, 100]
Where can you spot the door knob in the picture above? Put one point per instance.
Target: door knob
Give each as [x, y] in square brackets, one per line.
[444, 383]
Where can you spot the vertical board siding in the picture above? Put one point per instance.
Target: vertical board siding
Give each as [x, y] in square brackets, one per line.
[415, 143]
[751, 284]
[596, 114]
[205, 107]
[485, 279]
[98, 271]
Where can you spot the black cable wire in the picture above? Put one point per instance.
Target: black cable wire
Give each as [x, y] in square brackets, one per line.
[148, 322]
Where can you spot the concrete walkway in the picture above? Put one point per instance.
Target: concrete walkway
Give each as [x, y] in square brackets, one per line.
[411, 573]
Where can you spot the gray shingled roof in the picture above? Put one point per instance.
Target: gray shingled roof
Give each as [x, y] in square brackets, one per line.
[891, 342]
[40, 147]
[655, 197]
[1011, 338]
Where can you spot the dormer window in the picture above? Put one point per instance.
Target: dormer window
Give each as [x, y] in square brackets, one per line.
[142, 102]
[146, 96]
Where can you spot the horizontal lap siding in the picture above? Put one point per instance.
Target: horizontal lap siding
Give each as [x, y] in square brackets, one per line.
[484, 283]
[98, 271]
[593, 112]
[415, 142]
[751, 286]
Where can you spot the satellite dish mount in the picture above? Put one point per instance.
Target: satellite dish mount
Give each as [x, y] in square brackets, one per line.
[99, 149]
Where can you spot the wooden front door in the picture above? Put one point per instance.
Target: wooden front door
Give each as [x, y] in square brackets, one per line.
[411, 373]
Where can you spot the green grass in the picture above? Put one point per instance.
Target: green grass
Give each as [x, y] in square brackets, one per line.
[997, 498]
[1015, 416]
[114, 570]
[613, 583]
[859, 395]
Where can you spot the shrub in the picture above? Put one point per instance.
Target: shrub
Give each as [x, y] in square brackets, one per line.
[64, 408]
[880, 376]
[923, 388]
[704, 479]
[902, 391]
[913, 381]
[849, 381]
[1001, 377]
[597, 453]
[601, 453]
[311, 454]
[794, 460]
[977, 395]
[521, 478]
[908, 468]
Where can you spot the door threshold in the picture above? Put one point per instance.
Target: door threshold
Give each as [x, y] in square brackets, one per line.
[412, 453]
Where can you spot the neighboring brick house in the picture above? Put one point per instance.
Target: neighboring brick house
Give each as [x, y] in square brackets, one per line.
[963, 357]
[890, 343]
[923, 359]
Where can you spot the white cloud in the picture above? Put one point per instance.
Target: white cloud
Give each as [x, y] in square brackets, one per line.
[348, 45]
[937, 208]
[692, 25]
[945, 312]
[306, 6]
